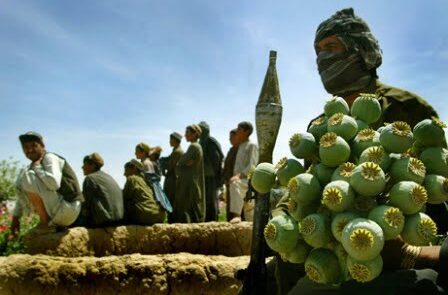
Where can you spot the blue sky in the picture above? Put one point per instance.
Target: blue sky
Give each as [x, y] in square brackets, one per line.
[105, 75]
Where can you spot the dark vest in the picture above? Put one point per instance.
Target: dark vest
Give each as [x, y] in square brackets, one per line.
[69, 188]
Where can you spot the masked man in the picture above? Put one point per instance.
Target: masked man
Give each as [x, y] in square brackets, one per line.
[347, 58]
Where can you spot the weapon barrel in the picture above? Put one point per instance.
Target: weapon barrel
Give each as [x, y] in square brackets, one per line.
[268, 118]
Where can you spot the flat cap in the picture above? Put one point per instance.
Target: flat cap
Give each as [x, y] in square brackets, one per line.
[196, 128]
[156, 150]
[144, 147]
[96, 159]
[137, 164]
[176, 136]
[31, 136]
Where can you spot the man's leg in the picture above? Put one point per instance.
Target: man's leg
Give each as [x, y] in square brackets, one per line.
[229, 217]
[211, 213]
[39, 207]
[49, 205]
[237, 194]
[249, 207]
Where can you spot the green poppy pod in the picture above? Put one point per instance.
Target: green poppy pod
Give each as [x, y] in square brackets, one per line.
[435, 160]
[324, 211]
[322, 266]
[263, 178]
[342, 256]
[390, 219]
[318, 127]
[304, 189]
[323, 173]
[396, 137]
[363, 205]
[300, 211]
[287, 169]
[335, 105]
[409, 196]
[333, 150]
[368, 179]
[429, 132]
[343, 172]
[364, 271]
[315, 230]
[382, 127]
[299, 253]
[416, 149]
[377, 155]
[408, 169]
[339, 221]
[338, 196]
[363, 239]
[364, 139]
[437, 188]
[281, 233]
[303, 145]
[343, 125]
[361, 125]
[419, 230]
[367, 108]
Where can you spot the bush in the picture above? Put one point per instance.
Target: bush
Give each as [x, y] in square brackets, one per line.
[12, 246]
[9, 170]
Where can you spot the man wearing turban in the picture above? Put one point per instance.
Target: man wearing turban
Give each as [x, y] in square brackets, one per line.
[347, 58]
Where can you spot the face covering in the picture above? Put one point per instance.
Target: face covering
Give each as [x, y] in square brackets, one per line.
[342, 73]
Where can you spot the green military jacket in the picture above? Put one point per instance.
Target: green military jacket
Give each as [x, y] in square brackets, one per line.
[140, 206]
[399, 105]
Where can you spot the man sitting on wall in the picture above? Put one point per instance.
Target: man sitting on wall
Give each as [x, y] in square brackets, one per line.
[140, 206]
[48, 185]
[104, 198]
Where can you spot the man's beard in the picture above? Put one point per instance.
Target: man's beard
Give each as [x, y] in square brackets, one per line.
[342, 73]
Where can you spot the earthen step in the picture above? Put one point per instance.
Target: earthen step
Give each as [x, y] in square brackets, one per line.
[209, 238]
[180, 273]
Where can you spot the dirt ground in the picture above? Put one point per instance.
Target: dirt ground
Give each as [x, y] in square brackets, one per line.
[210, 238]
[180, 273]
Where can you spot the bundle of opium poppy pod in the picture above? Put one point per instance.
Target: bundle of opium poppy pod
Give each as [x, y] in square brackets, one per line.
[364, 187]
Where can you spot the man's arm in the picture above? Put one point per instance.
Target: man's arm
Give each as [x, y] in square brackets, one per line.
[395, 251]
[174, 158]
[217, 158]
[49, 171]
[189, 157]
[89, 187]
[253, 159]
